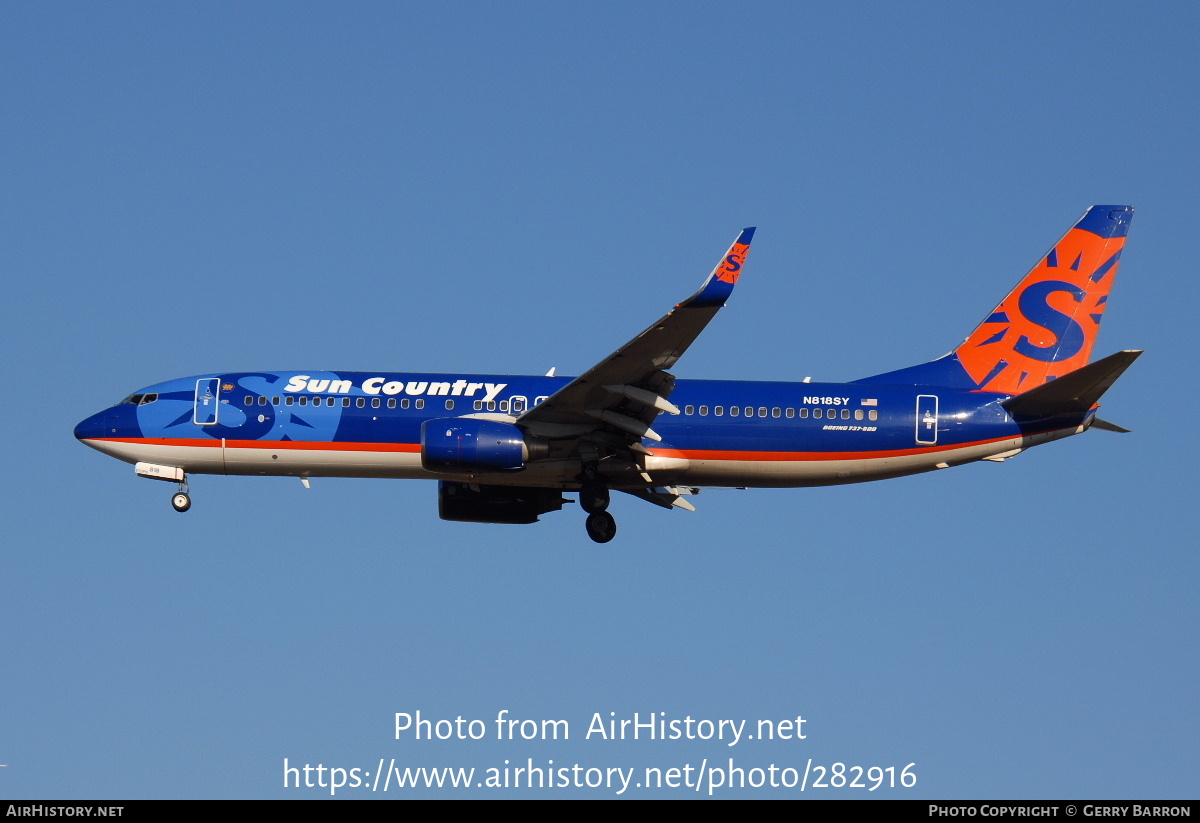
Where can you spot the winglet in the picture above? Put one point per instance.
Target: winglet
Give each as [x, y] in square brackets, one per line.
[724, 277]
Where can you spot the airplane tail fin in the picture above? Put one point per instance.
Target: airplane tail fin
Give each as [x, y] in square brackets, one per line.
[1045, 328]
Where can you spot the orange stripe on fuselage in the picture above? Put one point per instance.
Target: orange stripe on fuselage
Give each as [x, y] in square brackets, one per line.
[691, 454]
[274, 445]
[726, 454]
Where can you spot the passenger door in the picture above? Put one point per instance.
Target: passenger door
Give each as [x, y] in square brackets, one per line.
[208, 392]
[927, 419]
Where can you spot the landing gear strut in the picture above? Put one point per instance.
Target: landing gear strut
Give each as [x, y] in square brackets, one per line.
[594, 499]
[181, 501]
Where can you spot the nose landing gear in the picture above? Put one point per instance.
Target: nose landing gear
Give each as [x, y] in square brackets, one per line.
[181, 501]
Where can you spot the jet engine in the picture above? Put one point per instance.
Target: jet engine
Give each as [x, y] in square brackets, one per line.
[452, 445]
[495, 504]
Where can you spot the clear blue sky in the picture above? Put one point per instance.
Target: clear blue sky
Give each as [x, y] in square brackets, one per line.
[482, 187]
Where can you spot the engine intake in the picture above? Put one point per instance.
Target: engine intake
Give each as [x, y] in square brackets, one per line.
[452, 445]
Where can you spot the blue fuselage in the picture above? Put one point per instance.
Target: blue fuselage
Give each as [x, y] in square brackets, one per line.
[739, 433]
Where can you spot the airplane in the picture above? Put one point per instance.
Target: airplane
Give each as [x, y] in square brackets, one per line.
[505, 448]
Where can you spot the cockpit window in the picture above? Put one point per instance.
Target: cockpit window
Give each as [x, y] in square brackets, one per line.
[149, 398]
[139, 399]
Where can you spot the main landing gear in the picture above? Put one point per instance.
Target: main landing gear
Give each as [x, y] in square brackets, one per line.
[594, 499]
[601, 527]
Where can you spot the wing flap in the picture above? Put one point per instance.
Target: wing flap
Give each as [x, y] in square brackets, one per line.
[669, 497]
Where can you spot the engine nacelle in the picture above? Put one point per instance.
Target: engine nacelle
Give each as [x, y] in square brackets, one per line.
[452, 445]
[495, 504]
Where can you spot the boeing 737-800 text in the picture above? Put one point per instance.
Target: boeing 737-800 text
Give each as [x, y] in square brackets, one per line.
[504, 448]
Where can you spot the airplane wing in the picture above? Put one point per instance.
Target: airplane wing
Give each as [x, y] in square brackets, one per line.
[614, 403]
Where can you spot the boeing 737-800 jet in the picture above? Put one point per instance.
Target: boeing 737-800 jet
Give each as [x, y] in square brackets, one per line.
[504, 448]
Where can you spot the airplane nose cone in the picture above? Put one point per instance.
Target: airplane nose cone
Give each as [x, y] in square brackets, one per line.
[90, 428]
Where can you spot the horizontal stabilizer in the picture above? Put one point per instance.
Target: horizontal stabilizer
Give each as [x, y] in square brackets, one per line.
[1073, 393]
[1097, 423]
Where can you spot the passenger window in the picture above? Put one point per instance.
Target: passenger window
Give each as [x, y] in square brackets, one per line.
[346, 402]
[689, 410]
[404, 403]
[831, 413]
[262, 400]
[775, 412]
[718, 411]
[704, 411]
[375, 402]
[734, 411]
[391, 402]
[491, 405]
[449, 405]
[845, 414]
[304, 400]
[289, 400]
[331, 402]
[858, 415]
[804, 413]
[420, 404]
[762, 411]
[275, 400]
[361, 402]
[791, 412]
[818, 413]
[503, 405]
[873, 415]
[249, 400]
[478, 405]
